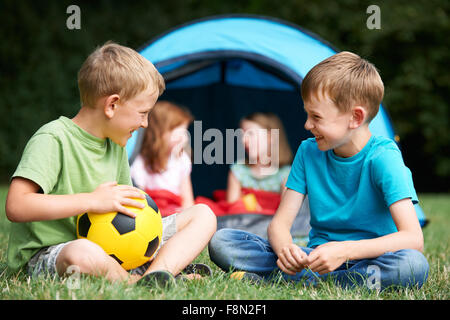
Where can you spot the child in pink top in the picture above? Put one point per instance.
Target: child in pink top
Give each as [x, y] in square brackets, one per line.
[163, 168]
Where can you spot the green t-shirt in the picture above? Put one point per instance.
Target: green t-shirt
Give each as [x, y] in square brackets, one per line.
[62, 158]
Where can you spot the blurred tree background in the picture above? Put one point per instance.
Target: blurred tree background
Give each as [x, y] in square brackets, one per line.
[40, 58]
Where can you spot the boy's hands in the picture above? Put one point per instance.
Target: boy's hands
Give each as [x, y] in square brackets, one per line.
[110, 197]
[327, 257]
[323, 259]
[292, 259]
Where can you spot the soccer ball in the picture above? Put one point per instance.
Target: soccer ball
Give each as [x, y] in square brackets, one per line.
[130, 241]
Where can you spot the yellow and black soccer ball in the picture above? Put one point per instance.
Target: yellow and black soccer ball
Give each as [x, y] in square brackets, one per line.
[131, 241]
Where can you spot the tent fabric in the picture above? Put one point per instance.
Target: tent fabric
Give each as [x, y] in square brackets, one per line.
[224, 67]
[270, 38]
[279, 45]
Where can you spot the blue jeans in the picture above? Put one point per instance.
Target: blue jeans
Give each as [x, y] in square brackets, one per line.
[232, 249]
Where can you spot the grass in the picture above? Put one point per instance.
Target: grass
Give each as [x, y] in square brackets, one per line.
[219, 287]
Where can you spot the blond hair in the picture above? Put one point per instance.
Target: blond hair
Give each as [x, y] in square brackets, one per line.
[115, 69]
[269, 121]
[164, 117]
[348, 80]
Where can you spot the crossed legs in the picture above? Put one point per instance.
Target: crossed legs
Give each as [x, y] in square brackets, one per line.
[195, 227]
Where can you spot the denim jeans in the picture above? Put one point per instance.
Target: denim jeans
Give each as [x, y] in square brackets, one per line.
[232, 249]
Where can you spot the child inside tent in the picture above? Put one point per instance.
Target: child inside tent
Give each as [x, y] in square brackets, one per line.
[267, 163]
[163, 168]
[256, 184]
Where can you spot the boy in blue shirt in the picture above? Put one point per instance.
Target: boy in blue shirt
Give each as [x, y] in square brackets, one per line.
[364, 229]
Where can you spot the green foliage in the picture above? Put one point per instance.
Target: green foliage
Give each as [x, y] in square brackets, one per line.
[40, 57]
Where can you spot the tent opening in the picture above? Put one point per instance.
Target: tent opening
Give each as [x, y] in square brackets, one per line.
[219, 92]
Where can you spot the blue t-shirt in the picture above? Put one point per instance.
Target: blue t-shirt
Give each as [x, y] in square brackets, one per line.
[349, 198]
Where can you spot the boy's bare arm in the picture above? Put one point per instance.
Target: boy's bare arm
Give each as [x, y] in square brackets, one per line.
[24, 203]
[279, 228]
[290, 256]
[409, 235]
[283, 187]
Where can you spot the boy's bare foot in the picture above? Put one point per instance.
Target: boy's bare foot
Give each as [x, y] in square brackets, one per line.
[192, 276]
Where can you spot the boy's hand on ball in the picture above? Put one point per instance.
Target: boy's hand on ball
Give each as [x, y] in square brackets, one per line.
[111, 197]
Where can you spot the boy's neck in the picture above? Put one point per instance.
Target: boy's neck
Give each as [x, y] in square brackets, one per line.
[89, 119]
[356, 142]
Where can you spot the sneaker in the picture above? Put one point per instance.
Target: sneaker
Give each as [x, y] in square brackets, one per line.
[195, 268]
[160, 278]
[198, 268]
[249, 276]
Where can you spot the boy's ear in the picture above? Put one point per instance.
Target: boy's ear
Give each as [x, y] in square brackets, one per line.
[110, 105]
[359, 115]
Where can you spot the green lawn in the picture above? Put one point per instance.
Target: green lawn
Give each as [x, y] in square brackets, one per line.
[436, 206]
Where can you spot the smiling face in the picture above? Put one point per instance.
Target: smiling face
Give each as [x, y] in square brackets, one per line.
[329, 125]
[131, 115]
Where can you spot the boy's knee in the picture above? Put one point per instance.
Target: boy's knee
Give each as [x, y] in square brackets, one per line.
[204, 210]
[221, 244]
[237, 249]
[403, 268]
[413, 266]
[206, 215]
[81, 253]
[220, 238]
[218, 249]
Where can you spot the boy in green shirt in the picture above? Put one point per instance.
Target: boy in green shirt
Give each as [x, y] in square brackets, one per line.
[72, 166]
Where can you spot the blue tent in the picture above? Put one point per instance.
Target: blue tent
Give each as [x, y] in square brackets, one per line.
[225, 67]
